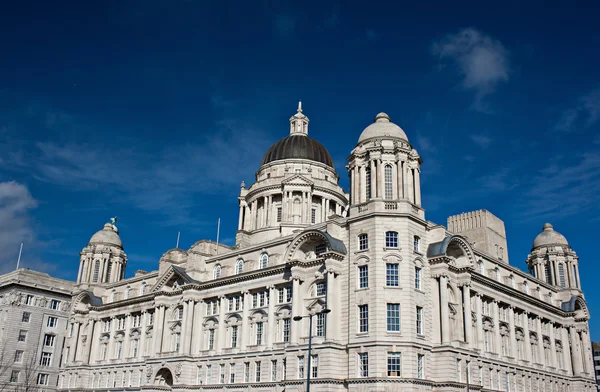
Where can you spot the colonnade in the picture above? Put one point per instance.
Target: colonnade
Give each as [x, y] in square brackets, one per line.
[87, 266]
[367, 181]
[570, 270]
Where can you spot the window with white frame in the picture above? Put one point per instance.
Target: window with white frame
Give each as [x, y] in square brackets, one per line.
[46, 359]
[363, 241]
[22, 336]
[246, 371]
[313, 215]
[264, 260]
[363, 364]
[49, 340]
[287, 325]
[394, 368]
[368, 182]
[211, 339]
[29, 299]
[209, 374]
[419, 320]
[232, 373]
[96, 271]
[363, 276]
[273, 370]
[137, 320]
[257, 371]
[52, 322]
[417, 243]
[222, 373]
[239, 266]
[19, 356]
[279, 211]
[392, 275]
[393, 317]
[388, 182]
[143, 288]
[217, 271]
[14, 376]
[391, 239]
[320, 249]
[561, 275]
[234, 336]
[127, 292]
[320, 328]
[363, 318]
[259, 333]
[301, 366]
[25, 317]
[320, 289]
[285, 294]
[417, 278]
[315, 366]
[420, 365]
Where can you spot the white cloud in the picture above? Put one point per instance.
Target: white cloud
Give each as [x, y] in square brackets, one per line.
[482, 61]
[16, 202]
[587, 110]
[481, 140]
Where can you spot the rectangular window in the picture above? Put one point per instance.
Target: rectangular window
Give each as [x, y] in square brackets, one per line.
[320, 324]
[29, 299]
[388, 182]
[19, 356]
[278, 214]
[135, 348]
[42, 379]
[254, 300]
[391, 239]
[46, 359]
[417, 278]
[26, 317]
[315, 366]
[301, 366]
[394, 365]
[393, 317]
[363, 242]
[420, 360]
[246, 371]
[259, 333]
[320, 249]
[273, 370]
[232, 373]
[234, 336]
[459, 370]
[262, 299]
[363, 365]
[222, 373]
[14, 376]
[208, 374]
[417, 244]
[54, 304]
[419, 320]
[391, 275]
[211, 339]
[287, 324]
[313, 216]
[363, 318]
[363, 276]
[22, 336]
[257, 371]
[52, 322]
[49, 340]
[321, 289]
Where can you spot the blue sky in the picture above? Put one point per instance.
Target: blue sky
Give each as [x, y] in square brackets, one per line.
[155, 111]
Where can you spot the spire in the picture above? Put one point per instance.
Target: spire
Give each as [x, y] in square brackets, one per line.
[299, 122]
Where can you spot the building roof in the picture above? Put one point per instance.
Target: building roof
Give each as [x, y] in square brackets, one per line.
[108, 235]
[549, 236]
[298, 146]
[382, 127]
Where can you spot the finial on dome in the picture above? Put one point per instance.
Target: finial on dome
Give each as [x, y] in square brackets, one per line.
[299, 122]
[299, 106]
[381, 117]
[547, 226]
[243, 185]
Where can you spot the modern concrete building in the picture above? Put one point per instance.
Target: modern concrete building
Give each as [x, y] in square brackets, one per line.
[34, 309]
[415, 306]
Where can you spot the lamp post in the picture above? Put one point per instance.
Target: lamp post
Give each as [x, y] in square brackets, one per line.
[310, 323]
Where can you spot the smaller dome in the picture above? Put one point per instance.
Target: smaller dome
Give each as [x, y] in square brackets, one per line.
[549, 236]
[108, 235]
[382, 127]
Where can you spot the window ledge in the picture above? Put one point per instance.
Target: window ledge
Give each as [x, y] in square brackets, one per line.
[420, 336]
[393, 287]
[385, 248]
[361, 251]
[362, 289]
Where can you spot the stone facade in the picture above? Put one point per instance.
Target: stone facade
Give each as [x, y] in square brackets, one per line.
[414, 306]
[34, 309]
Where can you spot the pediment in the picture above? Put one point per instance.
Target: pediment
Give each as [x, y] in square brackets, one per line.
[297, 179]
[172, 279]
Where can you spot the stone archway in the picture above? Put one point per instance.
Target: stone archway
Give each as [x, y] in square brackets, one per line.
[164, 377]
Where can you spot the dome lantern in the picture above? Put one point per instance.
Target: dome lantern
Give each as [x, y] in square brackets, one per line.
[299, 122]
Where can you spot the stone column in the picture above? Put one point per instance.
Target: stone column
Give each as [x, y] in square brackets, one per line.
[75, 340]
[186, 327]
[373, 179]
[400, 183]
[125, 353]
[513, 337]
[142, 348]
[586, 349]
[554, 362]
[353, 193]
[394, 184]
[90, 341]
[578, 280]
[444, 311]
[542, 360]
[255, 214]
[380, 169]
[102, 275]
[332, 319]
[270, 221]
[575, 353]
[246, 220]
[241, 217]
[271, 330]
[221, 328]
[363, 183]
[310, 207]
[326, 209]
[497, 337]
[323, 217]
[566, 349]
[158, 328]
[479, 321]
[417, 186]
[245, 327]
[79, 273]
[409, 194]
[265, 209]
[467, 314]
[527, 338]
[296, 308]
[111, 340]
[196, 328]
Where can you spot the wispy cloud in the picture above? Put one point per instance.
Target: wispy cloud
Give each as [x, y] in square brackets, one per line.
[481, 140]
[482, 61]
[586, 112]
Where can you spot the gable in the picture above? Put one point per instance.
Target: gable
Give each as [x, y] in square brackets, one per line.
[172, 279]
[297, 179]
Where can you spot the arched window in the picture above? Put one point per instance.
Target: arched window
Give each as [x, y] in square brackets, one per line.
[481, 267]
[217, 271]
[368, 182]
[96, 271]
[264, 260]
[561, 275]
[388, 182]
[143, 288]
[391, 239]
[127, 292]
[239, 266]
[548, 273]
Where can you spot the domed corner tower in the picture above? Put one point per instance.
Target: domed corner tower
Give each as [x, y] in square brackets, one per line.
[296, 186]
[384, 167]
[553, 261]
[103, 259]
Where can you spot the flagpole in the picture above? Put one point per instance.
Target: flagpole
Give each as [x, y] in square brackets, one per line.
[19, 258]
[177, 244]
[218, 232]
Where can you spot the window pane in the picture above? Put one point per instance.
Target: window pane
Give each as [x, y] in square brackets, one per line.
[393, 317]
[391, 275]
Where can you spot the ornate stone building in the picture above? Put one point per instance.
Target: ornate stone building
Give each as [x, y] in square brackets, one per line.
[414, 305]
[34, 309]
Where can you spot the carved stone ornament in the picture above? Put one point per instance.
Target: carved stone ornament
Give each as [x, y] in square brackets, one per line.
[149, 372]
[178, 368]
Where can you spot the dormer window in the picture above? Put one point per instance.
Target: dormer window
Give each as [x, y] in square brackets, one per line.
[239, 266]
[264, 260]
[217, 271]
